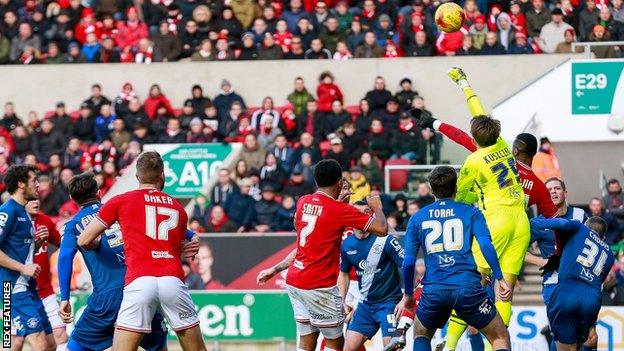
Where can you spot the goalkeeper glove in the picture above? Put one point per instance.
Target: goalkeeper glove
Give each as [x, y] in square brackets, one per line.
[424, 119]
[458, 76]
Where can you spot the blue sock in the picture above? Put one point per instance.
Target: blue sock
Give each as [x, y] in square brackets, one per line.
[585, 348]
[422, 343]
[553, 345]
[476, 342]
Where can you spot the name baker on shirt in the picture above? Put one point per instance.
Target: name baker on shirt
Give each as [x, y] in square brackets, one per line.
[158, 199]
[497, 155]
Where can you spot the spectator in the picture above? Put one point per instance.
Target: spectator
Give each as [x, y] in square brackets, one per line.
[283, 152]
[226, 98]
[406, 94]
[615, 28]
[198, 100]
[614, 232]
[400, 212]
[506, 32]
[598, 34]
[91, 49]
[305, 167]
[492, 46]
[121, 102]
[23, 141]
[327, 92]
[269, 50]
[363, 121]
[269, 17]
[105, 152]
[252, 153]
[224, 188]
[588, 18]
[120, 136]
[369, 49]
[24, 39]
[130, 32]
[420, 46]
[407, 142]
[135, 115]
[48, 141]
[228, 22]
[613, 202]
[370, 169]
[467, 48]
[173, 134]
[306, 145]
[219, 221]
[49, 199]
[5, 49]
[272, 173]
[391, 115]
[342, 52]
[520, 45]
[355, 36]
[104, 122]
[266, 131]
[297, 186]
[167, 43]
[228, 127]
[141, 134]
[204, 52]
[378, 97]
[62, 121]
[338, 153]
[243, 11]
[536, 18]
[565, 47]
[239, 206]
[283, 221]
[190, 39]
[96, 100]
[448, 43]
[155, 100]
[317, 51]
[240, 171]
[312, 122]
[370, 15]
[553, 32]
[259, 29]
[617, 10]
[74, 55]
[266, 110]
[341, 12]
[331, 34]
[296, 49]
[53, 56]
[132, 153]
[379, 140]
[545, 163]
[424, 195]
[282, 36]
[249, 50]
[199, 133]
[299, 97]
[109, 53]
[71, 156]
[265, 210]
[84, 127]
[360, 188]
[336, 118]
[518, 19]
[478, 32]
[293, 14]
[320, 15]
[305, 31]
[354, 143]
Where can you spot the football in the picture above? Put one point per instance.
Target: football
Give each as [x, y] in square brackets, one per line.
[449, 17]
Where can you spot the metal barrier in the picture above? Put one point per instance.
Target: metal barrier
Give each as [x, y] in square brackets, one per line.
[389, 168]
[588, 44]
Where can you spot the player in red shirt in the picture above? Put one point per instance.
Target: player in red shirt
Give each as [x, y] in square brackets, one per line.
[153, 226]
[44, 280]
[320, 221]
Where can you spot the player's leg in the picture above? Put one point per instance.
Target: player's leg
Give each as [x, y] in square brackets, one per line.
[27, 323]
[178, 307]
[355, 340]
[38, 341]
[307, 340]
[475, 307]
[497, 334]
[47, 326]
[308, 334]
[327, 304]
[363, 326]
[136, 312]
[434, 310]
[17, 343]
[422, 336]
[58, 327]
[476, 341]
[157, 339]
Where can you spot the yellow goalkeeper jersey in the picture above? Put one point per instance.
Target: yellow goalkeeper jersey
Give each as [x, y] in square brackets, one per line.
[489, 176]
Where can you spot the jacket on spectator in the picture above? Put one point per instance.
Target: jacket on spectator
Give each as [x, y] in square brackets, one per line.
[449, 42]
[416, 50]
[368, 51]
[171, 137]
[334, 121]
[220, 194]
[331, 39]
[273, 176]
[313, 151]
[18, 44]
[103, 127]
[96, 103]
[390, 120]
[615, 231]
[5, 49]
[190, 42]
[45, 145]
[566, 48]
[467, 52]
[223, 226]
[153, 102]
[131, 119]
[71, 160]
[602, 51]
[328, 93]
[377, 100]
[379, 144]
[130, 32]
[273, 52]
[551, 35]
[614, 204]
[169, 46]
[354, 40]
[299, 99]
[248, 53]
[587, 21]
[536, 20]
[254, 158]
[546, 165]
[265, 211]
[240, 209]
[496, 49]
[224, 101]
[514, 49]
[342, 157]
[23, 146]
[243, 11]
[297, 190]
[372, 172]
[408, 139]
[324, 54]
[283, 220]
[313, 123]
[84, 129]
[63, 124]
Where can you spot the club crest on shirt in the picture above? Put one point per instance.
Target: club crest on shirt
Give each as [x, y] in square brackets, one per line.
[3, 218]
[377, 248]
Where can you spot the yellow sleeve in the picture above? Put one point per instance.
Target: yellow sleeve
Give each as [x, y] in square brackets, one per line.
[474, 103]
[467, 177]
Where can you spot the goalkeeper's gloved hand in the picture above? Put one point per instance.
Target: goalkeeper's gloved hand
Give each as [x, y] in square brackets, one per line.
[458, 76]
[424, 119]
[552, 264]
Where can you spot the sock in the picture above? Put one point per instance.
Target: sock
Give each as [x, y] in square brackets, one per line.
[456, 328]
[476, 342]
[553, 345]
[422, 343]
[61, 347]
[406, 320]
[587, 348]
[504, 309]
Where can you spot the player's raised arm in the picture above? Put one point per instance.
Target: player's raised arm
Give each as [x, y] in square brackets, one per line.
[561, 224]
[474, 103]
[379, 225]
[266, 274]
[426, 120]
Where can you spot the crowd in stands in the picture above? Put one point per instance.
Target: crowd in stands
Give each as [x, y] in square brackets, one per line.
[75, 31]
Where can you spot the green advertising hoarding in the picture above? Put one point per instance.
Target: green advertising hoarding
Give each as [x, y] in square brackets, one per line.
[188, 167]
[234, 316]
[595, 86]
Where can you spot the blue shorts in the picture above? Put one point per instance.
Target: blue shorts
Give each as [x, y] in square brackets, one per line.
[28, 316]
[547, 291]
[96, 326]
[472, 304]
[572, 315]
[369, 317]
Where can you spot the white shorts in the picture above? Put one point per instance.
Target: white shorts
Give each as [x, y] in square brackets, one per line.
[146, 295]
[353, 294]
[51, 306]
[318, 309]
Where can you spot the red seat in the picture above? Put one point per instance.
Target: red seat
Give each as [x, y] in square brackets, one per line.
[48, 114]
[398, 178]
[324, 146]
[177, 112]
[353, 110]
[75, 115]
[252, 109]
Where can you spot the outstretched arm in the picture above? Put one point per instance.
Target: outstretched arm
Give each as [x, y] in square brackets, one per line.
[474, 103]
[266, 274]
[426, 120]
[561, 224]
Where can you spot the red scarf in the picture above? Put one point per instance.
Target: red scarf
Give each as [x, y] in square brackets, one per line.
[289, 124]
[406, 128]
[216, 226]
[368, 14]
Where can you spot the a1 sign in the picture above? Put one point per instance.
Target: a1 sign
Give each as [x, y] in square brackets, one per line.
[594, 86]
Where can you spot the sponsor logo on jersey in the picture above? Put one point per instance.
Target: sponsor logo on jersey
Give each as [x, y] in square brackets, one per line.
[352, 252]
[586, 274]
[3, 218]
[161, 254]
[21, 219]
[186, 314]
[446, 260]
[298, 264]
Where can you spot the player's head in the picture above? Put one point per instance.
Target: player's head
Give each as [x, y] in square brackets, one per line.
[362, 205]
[485, 130]
[525, 144]
[83, 188]
[22, 179]
[443, 181]
[597, 225]
[328, 174]
[151, 169]
[557, 189]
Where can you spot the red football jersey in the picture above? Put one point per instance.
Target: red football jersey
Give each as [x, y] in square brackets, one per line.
[153, 226]
[44, 279]
[320, 222]
[536, 192]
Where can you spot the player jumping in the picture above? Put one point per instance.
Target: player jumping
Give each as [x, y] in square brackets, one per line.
[94, 330]
[17, 246]
[153, 227]
[445, 231]
[321, 220]
[585, 264]
[377, 261]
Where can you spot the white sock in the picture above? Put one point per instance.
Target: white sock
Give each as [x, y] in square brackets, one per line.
[61, 347]
[404, 321]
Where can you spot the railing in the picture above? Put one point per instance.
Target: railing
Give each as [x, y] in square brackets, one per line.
[588, 45]
[390, 168]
